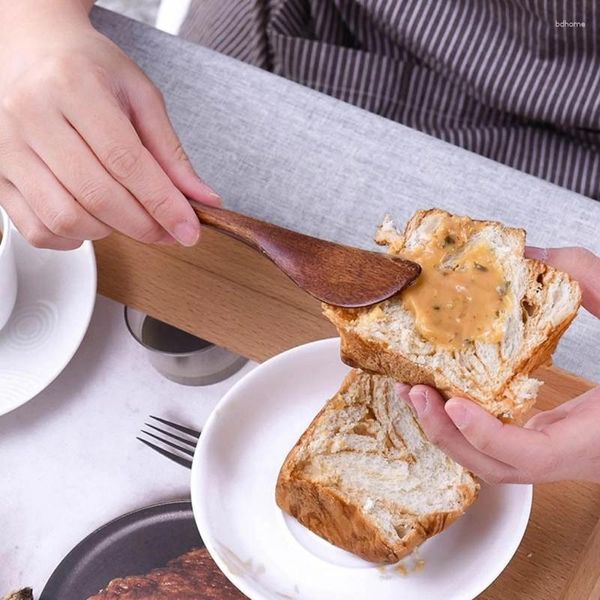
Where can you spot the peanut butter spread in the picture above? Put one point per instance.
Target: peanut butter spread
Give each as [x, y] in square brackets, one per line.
[461, 295]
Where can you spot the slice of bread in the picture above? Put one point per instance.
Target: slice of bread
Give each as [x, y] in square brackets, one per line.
[191, 576]
[364, 476]
[538, 304]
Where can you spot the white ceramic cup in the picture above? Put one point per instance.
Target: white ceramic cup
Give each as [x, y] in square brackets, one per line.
[8, 270]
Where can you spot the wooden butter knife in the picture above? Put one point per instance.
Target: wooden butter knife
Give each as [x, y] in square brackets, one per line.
[333, 273]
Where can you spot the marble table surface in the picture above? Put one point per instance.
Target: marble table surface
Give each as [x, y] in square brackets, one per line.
[70, 460]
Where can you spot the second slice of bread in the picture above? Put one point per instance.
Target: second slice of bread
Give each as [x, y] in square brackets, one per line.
[364, 476]
[384, 338]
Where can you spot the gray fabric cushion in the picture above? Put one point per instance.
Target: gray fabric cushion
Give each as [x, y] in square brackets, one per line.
[282, 152]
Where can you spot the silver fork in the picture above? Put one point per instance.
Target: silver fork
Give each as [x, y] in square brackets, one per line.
[183, 447]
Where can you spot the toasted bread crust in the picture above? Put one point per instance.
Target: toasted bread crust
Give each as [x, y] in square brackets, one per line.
[325, 512]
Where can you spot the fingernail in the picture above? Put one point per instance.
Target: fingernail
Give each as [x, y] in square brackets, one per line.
[216, 199]
[418, 400]
[186, 233]
[457, 413]
[537, 253]
[211, 197]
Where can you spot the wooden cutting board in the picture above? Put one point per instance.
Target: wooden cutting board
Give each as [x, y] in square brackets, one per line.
[228, 294]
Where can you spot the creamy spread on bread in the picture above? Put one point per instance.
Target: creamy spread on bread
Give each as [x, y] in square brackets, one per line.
[462, 295]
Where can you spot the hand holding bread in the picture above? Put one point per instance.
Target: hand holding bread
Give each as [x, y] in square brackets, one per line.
[478, 320]
[558, 444]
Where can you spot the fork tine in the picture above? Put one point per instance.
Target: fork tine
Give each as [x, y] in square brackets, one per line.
[187, 430]
[184, 450]
[172, 435]
[180, 460]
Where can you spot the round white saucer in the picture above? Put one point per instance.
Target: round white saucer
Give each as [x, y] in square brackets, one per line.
[268, 555]
[55, 300]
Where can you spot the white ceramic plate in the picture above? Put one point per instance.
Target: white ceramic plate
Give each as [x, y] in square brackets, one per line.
[268, 555]
[55, 300]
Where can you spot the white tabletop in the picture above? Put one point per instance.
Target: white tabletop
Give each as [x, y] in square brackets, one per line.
[70, 460]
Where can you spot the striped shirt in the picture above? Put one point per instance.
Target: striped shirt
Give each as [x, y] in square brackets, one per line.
[517, 81]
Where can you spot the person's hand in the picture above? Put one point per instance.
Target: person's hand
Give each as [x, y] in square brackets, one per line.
[559, 444]
[86, 146]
